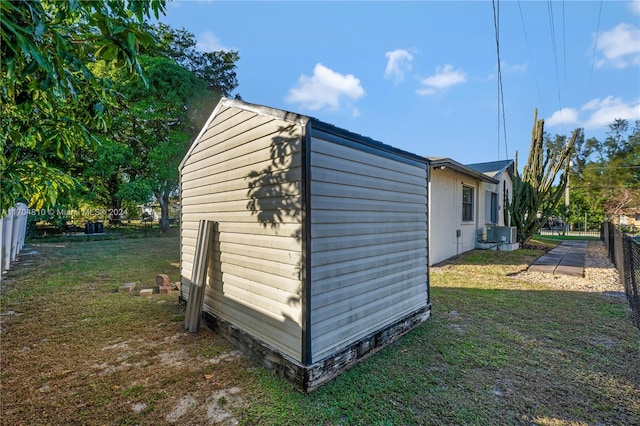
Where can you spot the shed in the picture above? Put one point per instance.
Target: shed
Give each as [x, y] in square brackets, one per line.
[319, 256]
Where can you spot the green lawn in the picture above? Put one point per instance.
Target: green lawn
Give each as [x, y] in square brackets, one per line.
[495, 351]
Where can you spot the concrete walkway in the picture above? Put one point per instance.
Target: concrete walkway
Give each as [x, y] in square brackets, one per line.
[566, 259]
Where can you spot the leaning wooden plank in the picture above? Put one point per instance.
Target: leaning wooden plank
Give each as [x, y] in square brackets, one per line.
[206, 230]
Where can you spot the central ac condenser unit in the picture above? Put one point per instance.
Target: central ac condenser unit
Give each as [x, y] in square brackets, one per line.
[501, 234]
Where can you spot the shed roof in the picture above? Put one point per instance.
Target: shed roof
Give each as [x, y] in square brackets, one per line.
[446, 162]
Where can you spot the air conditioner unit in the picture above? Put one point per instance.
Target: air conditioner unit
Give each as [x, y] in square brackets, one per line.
[501, 234]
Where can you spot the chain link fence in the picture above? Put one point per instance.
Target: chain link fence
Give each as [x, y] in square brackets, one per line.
[624, 252]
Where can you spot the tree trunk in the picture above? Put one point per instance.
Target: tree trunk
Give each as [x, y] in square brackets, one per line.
[163, 200]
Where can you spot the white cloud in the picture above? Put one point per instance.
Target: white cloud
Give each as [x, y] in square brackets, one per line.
[443, 78]
[597, 113]
[514, 69]
[605, 111]
[619, 47]
[563, 116]
[325, 89]
[208, 42]
[398, 62]
[634, 6]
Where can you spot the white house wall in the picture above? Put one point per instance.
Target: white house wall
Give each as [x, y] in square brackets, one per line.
[244, 172]
[499, 188]
[368, 243]
[445, 209]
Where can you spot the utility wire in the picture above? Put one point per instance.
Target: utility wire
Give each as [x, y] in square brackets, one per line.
[496, 25]
[526, 38]
[564, 47]
[555, 58]
[595, 45]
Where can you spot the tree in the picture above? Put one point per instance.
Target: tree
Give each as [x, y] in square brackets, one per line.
[157, 122]
[535, 196]
[217, 68]
[608, 172]
[152, 134]
[46, 48]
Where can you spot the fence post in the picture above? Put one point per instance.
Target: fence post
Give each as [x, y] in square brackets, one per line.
[631, 266]
[8, 228]
[1, 244]
[22, 228]
[15, 233]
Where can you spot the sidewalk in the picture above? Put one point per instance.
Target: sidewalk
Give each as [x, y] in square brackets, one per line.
[566, 259]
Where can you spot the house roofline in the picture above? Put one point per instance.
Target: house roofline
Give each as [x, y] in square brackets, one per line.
[446, 162]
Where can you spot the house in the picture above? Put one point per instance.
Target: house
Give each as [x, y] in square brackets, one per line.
[464, 201]
[320, 250]
[628, 218]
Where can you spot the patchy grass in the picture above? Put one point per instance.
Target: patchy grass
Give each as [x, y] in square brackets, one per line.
[495, 351]
[75, 351]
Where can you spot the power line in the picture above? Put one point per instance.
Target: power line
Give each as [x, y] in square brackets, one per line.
[555, 57]
[496, 25]
[526, 38]
[595, 45]
[564, 47]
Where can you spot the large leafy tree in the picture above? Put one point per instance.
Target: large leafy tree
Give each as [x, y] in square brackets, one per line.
[156, 129]
[52, 103]
[216, 68]
[157, 122]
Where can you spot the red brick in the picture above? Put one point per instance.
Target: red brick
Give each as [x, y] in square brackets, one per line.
[162, 279]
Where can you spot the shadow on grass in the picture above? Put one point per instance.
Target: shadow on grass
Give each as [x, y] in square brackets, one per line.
[493, 356]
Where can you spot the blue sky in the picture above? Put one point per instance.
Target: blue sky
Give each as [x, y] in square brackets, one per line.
[423, 76]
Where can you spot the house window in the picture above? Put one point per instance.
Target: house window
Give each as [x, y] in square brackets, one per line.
[467, 204]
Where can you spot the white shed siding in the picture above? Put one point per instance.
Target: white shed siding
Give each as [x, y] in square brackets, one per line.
[368, 243]
[244, 172]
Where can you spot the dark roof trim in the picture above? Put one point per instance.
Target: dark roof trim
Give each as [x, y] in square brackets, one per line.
[446, 162]
[362, 143]
[494, 168]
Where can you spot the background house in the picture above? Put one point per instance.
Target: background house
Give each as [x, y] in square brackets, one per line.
[628, 219]
[463, 200]
[320, 255]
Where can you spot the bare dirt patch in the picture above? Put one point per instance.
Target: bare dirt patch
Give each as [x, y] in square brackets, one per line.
[75, 351]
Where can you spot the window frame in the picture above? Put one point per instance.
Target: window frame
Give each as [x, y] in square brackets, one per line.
[470, 205]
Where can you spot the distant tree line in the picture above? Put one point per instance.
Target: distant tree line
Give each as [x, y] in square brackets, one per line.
[603, 178]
